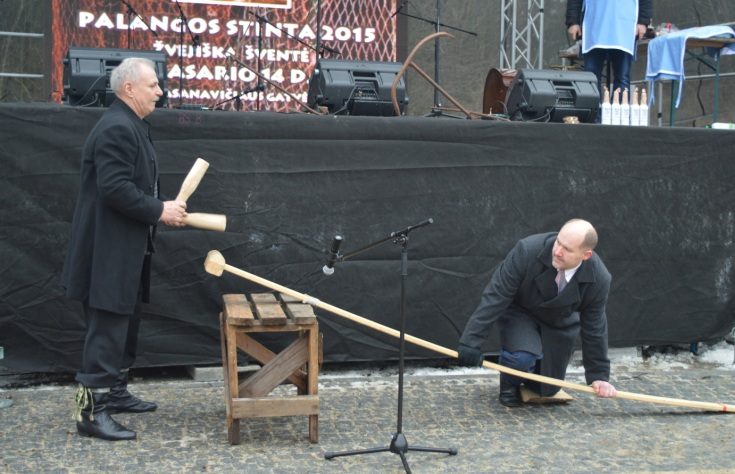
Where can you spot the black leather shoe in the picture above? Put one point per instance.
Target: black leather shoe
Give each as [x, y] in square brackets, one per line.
[120, 400]
[510, 395]
[104, 427]
[93, 419]
[126, 402]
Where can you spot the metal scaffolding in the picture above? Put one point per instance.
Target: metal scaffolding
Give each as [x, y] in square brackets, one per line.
[522, 39]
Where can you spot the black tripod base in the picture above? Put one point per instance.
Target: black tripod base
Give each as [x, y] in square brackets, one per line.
[398, 445]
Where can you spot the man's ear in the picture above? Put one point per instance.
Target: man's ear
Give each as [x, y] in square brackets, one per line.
[128, 88]
[587, 254]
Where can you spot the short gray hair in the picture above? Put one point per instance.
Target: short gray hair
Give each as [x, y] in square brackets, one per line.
[128, 70]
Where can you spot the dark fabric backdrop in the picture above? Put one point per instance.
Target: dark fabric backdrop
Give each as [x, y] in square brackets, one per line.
[660, 198]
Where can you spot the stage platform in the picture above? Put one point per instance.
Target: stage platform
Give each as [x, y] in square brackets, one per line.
[661, 199]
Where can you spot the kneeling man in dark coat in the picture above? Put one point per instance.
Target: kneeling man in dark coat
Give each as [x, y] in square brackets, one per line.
[549, 289]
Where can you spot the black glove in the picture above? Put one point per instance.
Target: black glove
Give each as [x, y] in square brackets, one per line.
[469, 356]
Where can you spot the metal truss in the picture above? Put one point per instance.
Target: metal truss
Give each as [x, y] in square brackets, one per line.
[521, 34]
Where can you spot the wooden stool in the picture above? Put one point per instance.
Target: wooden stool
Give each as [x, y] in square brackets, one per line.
[298, 363]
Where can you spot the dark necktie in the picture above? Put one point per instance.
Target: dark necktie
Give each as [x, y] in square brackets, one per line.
[561, 282]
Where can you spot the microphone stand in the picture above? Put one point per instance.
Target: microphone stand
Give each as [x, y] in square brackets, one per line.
[320, 48]
[260, 76]
[399, 444]
[318, 28]
[131, 12]
[437, 24]
[289, 35]
[236, 98]
[261, 19]
[194, 43]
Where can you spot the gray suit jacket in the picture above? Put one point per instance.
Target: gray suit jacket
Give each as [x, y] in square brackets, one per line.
[522, 290]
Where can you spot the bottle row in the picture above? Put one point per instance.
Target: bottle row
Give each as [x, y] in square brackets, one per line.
[621, 111]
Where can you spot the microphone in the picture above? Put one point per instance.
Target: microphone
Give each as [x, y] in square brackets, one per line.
[331, 50]
[259, 17]
[328, 269]
[399, 9]
[412, 227]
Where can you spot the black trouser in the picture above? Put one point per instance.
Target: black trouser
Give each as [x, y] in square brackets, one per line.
[110, 345]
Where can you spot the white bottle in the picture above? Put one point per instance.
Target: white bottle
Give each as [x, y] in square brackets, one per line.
[625, 109]
[635, 110]
[723, 126]
[606, 112]
[644, 119]
[615, 108]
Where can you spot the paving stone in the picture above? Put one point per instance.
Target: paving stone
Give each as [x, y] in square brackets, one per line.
[214, 374]
[188, 434]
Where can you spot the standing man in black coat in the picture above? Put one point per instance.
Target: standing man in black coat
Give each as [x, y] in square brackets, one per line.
[108, 262]
[549, 289]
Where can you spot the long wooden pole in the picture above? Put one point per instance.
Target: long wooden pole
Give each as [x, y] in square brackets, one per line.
[215, 265]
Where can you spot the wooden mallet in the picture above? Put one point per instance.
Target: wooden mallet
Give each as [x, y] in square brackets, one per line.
[197, 219]
[215, 265]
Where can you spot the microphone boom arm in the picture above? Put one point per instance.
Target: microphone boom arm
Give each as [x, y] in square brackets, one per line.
[303, 104]
[265, 20]
[239, 94]
[402, 234]
[132, 11]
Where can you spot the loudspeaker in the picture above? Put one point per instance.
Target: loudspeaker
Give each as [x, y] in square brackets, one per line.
[87, 74]
[550, 95]
[356, 87]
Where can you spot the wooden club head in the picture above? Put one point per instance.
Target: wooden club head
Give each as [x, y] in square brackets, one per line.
[201, 220]
[192, 179]
[214, 264]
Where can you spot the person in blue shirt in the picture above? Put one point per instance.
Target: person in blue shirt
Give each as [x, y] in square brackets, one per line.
[609, 30]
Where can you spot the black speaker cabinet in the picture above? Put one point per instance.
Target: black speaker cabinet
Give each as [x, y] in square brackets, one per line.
[87, 74]
[356, 87]
[548, 95]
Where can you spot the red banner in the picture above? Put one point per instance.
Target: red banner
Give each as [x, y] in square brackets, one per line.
[214, 48]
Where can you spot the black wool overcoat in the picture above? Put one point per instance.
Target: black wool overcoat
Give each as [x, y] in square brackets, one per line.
[114, 214]
[522, 295]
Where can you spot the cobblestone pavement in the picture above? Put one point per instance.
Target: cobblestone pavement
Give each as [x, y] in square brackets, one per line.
[187, 433]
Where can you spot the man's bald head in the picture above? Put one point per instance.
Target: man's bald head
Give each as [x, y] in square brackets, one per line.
[574, 244]
[583, 228]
